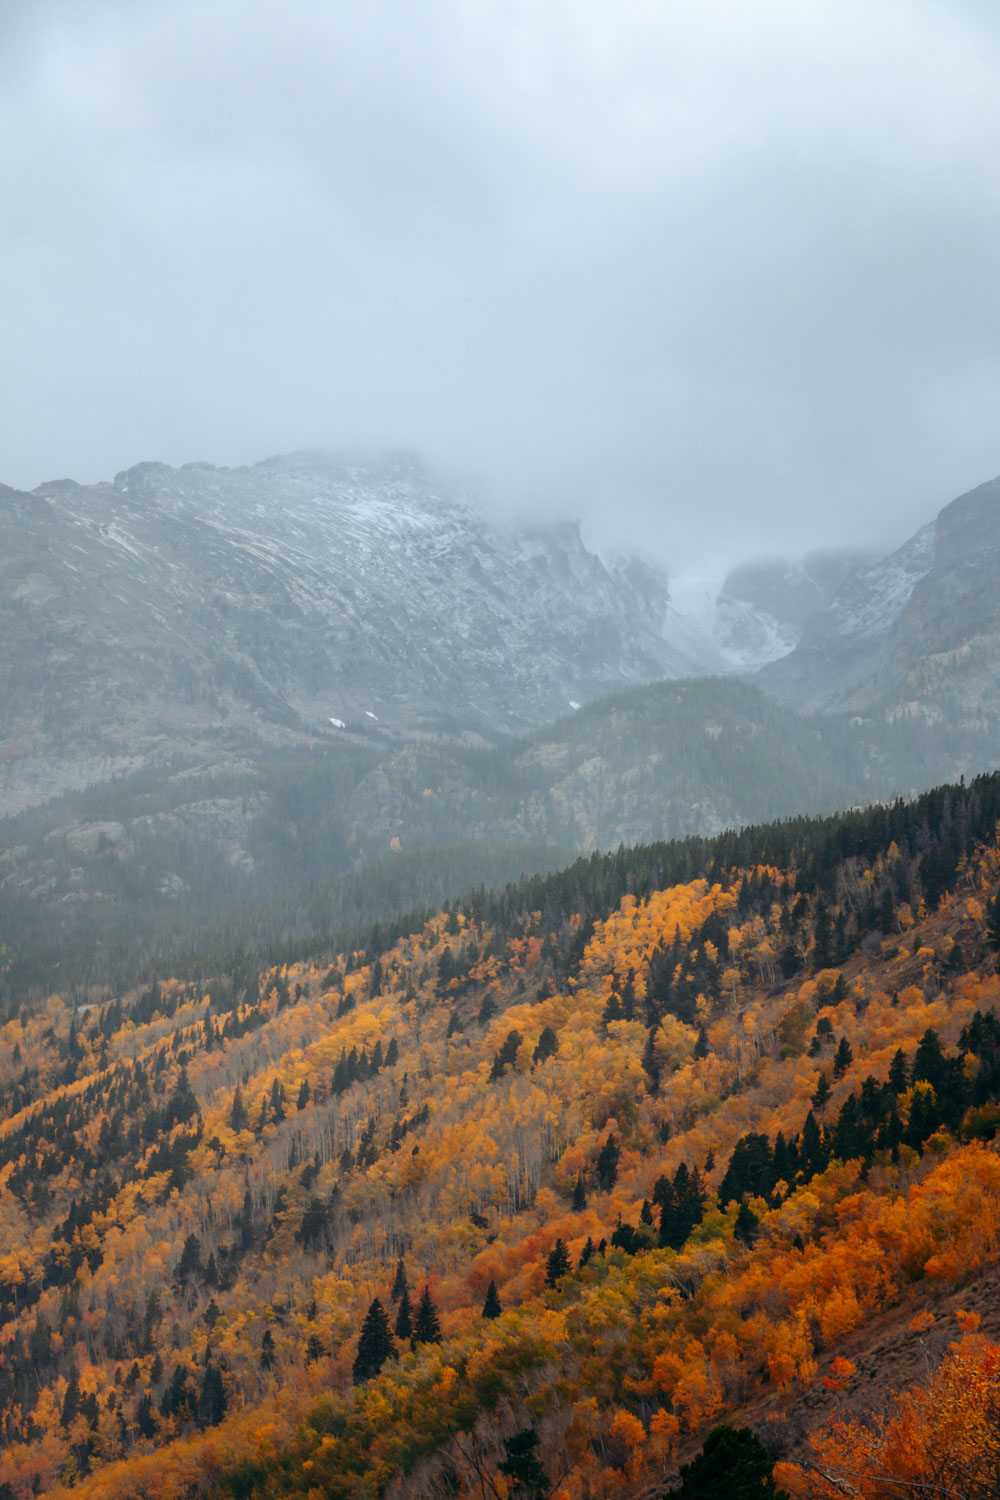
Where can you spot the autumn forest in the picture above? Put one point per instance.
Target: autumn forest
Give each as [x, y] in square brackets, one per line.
[679, 1163]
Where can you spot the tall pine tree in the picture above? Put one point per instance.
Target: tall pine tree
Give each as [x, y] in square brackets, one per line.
[375, 1344]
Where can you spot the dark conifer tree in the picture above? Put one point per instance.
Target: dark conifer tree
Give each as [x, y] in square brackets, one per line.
[822, 1092]
[189, 1265]
[238, 1117]
[650, 1063]
[746, 1224]
[843, 1058]
[547, 1046]
[212, 1397]
[145, 1418]
[929, 1065]
[375, 1344]
[182, 1105]
[823, 949]
[628, 996]
[607, 1164]
[612, 1009]
[400, 1283]
[71, 1400]
[813, 1153]
[557, 1264]
[426, 1325]
[492, 1307]
[733, 1464]
[899, 1072]
[404, 1316]
[528, 1480]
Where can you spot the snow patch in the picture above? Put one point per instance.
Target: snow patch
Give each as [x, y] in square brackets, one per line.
[370, 715]
[337, 723]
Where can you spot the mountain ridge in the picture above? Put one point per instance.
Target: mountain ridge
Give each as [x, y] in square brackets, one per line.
[203, 606]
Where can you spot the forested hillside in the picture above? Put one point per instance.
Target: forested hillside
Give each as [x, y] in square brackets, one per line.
[534, 1197]
[132, 876]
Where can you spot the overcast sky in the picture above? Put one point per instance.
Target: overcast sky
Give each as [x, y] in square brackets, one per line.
[718, 277]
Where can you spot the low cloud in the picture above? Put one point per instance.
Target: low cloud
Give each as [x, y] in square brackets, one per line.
[716, 278]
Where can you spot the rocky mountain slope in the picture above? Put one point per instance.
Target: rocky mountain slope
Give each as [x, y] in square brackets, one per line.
[202, 611]
[916, 637]
[765, 605]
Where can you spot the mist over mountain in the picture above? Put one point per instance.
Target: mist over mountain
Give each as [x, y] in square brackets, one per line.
[913, 637]
[223, 688]
[765, 604]
[202, 611]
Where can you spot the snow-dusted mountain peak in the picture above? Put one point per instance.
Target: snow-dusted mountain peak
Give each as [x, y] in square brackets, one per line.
[273, 600]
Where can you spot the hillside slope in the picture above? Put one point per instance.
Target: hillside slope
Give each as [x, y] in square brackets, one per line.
[200, 858]
[699, 1114]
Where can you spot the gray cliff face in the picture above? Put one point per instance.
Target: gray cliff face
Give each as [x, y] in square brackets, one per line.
[917, 636]
[197, 611]
[766, 604]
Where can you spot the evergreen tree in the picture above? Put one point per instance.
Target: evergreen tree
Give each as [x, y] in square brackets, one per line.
[822, 1092]
[71, 1400]
[145, 1418]
[404, 1316]
[579, 1195]
[612, 1009]
[400, 1284]
[267, 1350]
[929, 1065]
[823, 950]
[814, 1154]
[628, 996]
[426, 1326]
[189, 1265]
[650, 1062]
[701, 1045]
[746, 1224]
[548, 1046]
[528, 1480]
[789, 960]
[506, 1056]
[179, 1399]
[557, 1264]
[607, 1164]
[843, 1058]
[750, 1169]
[238, 1117]
[375, 1344]
[733, 1465]
[492, 1307]
[182, 1105]
[212, 1398]
[899, 1072]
